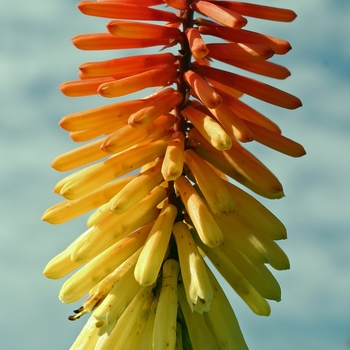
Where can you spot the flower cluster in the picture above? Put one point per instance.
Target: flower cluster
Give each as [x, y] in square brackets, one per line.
[143, 259]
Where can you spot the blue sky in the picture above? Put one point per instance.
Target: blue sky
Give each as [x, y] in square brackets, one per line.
[36, 56]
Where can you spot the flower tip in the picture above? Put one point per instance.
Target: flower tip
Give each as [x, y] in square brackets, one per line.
[279, 195]
[107, 147]
[50, 273]
[116, 208]
[292, 102]
[269, 53]
[103, 90]
[45, 216]
[136, 122]
[63, 88]
[55, 164]
[74, 41]
[292, 16]
[245, 136]
[287, 47]
[80, 5]
[299, 151]
[45, 273]
[79, 255]
[242, 22]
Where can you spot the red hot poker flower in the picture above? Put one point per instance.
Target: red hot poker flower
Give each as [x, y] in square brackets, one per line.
[142, 257]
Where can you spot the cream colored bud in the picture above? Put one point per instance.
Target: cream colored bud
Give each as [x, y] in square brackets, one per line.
[199, 213]
[154, 250]
[218, 197]
[194, 275]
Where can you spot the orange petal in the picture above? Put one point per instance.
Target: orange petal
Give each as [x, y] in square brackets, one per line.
[209, 97]
[136, 30]
[79, 156]
[151, 78]
[227, 89]
[137, 2]
[159, 106]
[116, 113]
[177, 4]
[110, 9]
[222, 15]
[241, 165]
[232, 123]
[172, 166]
[86, 135]
[126, 65]
[248, 113]
[279, 46]
[90, 178]
[67, 210]
[107, 41]
[86, 87]
[197, 45]
[259, 11]
[82, 76]
[276, 141]
[240, 52]
[267, 69]
[251, 87]
[128, 136]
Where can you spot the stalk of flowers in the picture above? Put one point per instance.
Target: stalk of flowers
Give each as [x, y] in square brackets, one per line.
[141, 258]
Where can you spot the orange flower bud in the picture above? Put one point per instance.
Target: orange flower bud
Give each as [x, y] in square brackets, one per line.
[151, 78]
[227, 89]
[128, 136]
[209, 97]
[96, 175]
[127, 65]
[86, 87]
[137, 30]
[223, 15]
[116, 113]
[197, 45]
[259, 11]
[111, 9]
[177, 4]
[241, 165]
[232, 123]
[80, 156]
[276, 141]
[107, 41]
[159, 106]
[246, 112]
[265, 68]
[251, 87]
[240, 52]
[137, 2]
[279, 46]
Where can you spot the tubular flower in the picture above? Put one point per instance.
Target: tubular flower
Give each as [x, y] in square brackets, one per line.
[158, 172]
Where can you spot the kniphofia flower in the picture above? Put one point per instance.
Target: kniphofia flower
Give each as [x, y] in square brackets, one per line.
[161, 173]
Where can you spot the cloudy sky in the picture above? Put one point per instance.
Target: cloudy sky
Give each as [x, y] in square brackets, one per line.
[36, 56]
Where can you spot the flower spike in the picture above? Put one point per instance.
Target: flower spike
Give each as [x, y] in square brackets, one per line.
[158, 172]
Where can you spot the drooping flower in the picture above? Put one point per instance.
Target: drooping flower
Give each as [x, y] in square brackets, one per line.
[142, 258]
